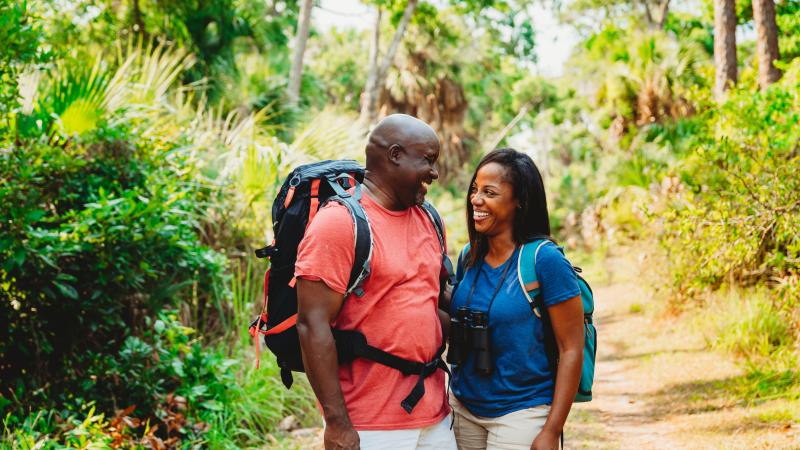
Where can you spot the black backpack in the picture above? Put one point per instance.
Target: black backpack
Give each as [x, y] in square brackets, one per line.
[305, 190]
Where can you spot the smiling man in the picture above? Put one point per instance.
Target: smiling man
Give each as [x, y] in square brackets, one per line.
[398, 313]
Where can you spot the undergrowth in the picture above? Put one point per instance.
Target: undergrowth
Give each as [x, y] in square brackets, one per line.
[749, 325]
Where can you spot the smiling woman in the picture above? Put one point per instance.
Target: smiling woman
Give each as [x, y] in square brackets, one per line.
[506, 196]
[505, 385]
[492, 199]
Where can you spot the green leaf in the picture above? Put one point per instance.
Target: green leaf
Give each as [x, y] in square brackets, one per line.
[33, 216]
[177, 366]
[212, 405]
[159, 326]
[67, 290]
[66, 277]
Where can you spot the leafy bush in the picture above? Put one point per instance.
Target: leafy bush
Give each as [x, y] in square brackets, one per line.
[95, 237]
[737, 218]
[166, 388]
[20, 33]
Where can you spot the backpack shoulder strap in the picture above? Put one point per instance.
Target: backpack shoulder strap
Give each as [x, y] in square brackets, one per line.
[526, 271]
[460, 269]
[438, 225]
[362, 232]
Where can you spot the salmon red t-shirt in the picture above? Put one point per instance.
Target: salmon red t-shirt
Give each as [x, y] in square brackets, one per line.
[397, 313]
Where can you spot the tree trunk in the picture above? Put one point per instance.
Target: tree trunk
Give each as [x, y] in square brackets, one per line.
[724, 46]
[767, 42]
[369, 99]
[662, 18]
[296, 72]
[663, 9]
[510, 126]
[377, 74]
[138, 21]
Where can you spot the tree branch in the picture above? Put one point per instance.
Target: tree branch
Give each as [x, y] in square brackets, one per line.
[510, 126]
[388, 59]
[374, 83]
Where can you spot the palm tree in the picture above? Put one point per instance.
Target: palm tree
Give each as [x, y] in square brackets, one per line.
[646, 82]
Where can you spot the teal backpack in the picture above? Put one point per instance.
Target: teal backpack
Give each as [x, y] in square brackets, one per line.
[526, 273]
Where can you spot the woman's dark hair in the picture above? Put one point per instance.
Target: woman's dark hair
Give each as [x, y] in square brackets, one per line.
[531, 220]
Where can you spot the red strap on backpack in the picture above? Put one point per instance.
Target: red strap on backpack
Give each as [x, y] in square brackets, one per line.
[262, 318]
[289, 197]
[255, 329]
[314, 201]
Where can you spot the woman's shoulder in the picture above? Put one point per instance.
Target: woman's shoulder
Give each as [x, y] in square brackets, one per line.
[548, 255]
[549, 250]
[556, 275]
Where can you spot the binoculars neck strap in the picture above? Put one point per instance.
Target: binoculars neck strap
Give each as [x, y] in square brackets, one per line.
[506, 266]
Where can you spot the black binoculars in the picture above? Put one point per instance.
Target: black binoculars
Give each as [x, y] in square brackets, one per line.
[469, 333]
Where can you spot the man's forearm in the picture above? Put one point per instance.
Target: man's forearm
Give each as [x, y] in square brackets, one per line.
[322, 369]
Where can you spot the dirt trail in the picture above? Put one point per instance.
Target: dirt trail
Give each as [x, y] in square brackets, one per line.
[658, 386]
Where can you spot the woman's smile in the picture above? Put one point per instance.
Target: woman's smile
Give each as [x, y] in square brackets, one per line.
[479, 215]
[492, 200]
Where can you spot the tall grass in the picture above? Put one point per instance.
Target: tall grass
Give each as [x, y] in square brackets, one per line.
[246, 291]
[258, 400]
[749, 324]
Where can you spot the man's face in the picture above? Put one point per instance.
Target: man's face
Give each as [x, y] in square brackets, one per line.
[416, 170]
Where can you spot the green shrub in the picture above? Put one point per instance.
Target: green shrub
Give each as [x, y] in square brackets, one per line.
[166, 385]
[737, 219]
[95, 237]
[20, 32]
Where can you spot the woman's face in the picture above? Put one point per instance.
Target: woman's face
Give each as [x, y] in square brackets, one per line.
[493, 202]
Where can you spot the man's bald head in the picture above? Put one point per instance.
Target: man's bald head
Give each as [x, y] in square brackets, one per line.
[400, 129]
[401, 160]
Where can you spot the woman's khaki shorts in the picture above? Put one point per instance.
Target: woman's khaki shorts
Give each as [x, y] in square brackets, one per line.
[512, 431]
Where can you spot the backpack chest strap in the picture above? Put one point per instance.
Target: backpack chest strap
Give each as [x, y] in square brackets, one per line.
[351, 344]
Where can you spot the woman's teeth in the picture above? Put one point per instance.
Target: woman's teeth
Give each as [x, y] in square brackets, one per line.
[480, 214]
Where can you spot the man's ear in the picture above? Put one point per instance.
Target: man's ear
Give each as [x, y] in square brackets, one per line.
[394, 153]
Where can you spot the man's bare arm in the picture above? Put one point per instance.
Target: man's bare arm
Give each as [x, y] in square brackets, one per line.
[317, 307]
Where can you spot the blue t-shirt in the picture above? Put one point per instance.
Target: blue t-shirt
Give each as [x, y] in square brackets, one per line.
[521, 377]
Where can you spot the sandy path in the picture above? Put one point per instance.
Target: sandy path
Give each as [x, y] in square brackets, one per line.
[658, 386]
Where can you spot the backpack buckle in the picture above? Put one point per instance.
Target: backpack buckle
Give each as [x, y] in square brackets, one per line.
[266, 252]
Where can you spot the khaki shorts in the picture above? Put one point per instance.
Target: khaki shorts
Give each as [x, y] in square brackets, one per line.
[513, 431]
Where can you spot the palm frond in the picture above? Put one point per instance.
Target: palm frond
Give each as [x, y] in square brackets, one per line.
[78, 97]
[330, 134]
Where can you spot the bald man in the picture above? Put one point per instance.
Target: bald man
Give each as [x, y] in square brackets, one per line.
[398, 313]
